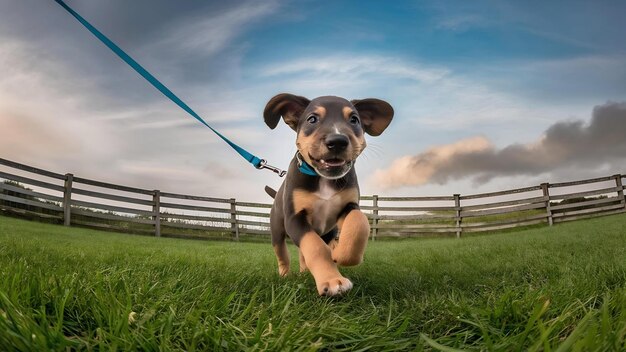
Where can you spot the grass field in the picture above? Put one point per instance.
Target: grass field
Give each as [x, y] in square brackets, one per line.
[560, 288]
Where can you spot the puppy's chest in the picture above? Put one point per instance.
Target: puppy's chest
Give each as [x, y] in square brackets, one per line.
[324, 205]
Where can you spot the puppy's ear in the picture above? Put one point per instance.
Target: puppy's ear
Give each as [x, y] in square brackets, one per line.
[289, 106]
[375, 114]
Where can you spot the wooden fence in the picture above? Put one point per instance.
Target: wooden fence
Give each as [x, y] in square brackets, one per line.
[71, 200]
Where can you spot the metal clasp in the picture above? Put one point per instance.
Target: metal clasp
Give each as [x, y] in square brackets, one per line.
[263, 165]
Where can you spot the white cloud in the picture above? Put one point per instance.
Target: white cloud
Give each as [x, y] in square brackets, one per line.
[210, 35]
[420, 169]
[349, 67]
[39, 111]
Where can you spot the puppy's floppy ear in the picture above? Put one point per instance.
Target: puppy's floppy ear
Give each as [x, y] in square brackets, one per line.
[289, 106]
[375, 114]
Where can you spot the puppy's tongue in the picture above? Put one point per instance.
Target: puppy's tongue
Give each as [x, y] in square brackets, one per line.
[332, 162]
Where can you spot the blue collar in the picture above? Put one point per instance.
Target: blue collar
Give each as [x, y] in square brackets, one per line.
[304, 167]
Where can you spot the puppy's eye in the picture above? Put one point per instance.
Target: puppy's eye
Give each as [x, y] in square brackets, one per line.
[354, 120]
[312, 119]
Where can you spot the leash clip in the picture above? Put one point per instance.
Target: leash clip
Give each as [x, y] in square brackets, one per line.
[264, 165]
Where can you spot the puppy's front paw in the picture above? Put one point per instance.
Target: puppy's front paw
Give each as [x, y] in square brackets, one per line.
[333, 287]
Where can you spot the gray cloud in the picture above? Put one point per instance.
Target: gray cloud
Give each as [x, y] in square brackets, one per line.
[190, 45]
[564, 145]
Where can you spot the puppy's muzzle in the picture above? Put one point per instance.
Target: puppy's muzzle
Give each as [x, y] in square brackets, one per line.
[335, 161]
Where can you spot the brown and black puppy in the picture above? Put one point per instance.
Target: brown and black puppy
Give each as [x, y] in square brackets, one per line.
[320, 195]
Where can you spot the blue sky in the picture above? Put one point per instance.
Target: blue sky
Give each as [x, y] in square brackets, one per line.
[479, 89]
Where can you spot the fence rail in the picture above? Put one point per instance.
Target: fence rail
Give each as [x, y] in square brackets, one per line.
[38, 193]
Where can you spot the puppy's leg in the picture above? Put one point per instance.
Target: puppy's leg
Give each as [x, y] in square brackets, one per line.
[282, 255]
[302, 262]
[317, 254]
[355, 230]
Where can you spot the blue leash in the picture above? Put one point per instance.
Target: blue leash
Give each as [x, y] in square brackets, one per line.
[252, 159]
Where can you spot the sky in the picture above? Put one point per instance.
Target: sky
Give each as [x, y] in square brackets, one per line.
[488, 95]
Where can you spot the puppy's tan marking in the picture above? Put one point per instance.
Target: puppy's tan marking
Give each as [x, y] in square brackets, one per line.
[305, 145]
[304, 200]
[318, 258]
[347, 111]
[320, 111]
[353, 235]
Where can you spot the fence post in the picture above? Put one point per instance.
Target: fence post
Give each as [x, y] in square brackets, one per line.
[156, 210]
[620, 191]
[67, 199]
[546, 193]
[233, 219]
[375, 214]
[457, 207]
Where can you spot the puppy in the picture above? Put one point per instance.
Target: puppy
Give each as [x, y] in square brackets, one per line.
[320, 195]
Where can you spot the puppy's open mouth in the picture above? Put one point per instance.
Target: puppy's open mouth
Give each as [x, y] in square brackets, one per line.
[334, 162]
[329, 162]
[331, 167]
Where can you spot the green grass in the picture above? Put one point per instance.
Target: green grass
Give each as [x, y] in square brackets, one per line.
[555, 288]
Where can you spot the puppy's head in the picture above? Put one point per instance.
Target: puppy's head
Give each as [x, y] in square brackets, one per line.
[330, 130]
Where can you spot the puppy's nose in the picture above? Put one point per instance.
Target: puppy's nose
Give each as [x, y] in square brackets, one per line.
[337, 142]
